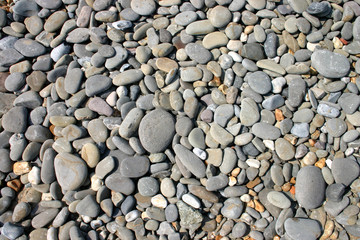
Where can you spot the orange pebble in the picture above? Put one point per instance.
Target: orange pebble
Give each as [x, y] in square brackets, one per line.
[292, 190]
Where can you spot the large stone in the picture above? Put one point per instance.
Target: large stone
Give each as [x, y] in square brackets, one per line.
[345, 170]
[156, 130]
[310, 187]
[71, 171]
[329, 64]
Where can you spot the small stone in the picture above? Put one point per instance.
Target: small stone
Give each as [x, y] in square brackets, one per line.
[302, 229]
[190, 161]
[219, 16]
[143, 7]
[88, 207]
[148, 186]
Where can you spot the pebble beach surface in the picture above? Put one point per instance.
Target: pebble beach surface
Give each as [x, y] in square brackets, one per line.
[170, 119]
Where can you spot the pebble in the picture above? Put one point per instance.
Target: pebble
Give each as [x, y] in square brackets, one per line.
[162, 128]
[162, 118]
[345, 170]
[300, 228]
[335, 66]
[70, 170]
[306, 194]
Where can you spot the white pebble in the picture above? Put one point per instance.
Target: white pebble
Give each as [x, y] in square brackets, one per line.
[278, 84]
[111, 99]
[200, 153]
[349, 151]
[245, 198]
[34, 176]
[328, 163]
[122, 91]
[131, 216]
[253, 163]
[269, 144]
[191, 200]
[235, 56]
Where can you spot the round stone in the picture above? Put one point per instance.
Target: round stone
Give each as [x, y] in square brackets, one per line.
[260, 82]
[220, 16]
[134, 167]
[156, 130]
[70, 170]
[148, 186]
[336, 127]
[143, 7]
[284, 149]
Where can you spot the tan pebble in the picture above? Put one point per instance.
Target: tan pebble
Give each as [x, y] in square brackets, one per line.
[258, 206]
[310, 158]
[46, 197]
[235, 172]
[20, 168]
[337, 43]
[159, 201]
[286, 187]
[166, 64]
[215, 82]
[248, 29]
[328, 229]
[334, 235]
[321, 163]
[91, 154]
[96, 183]
[292, 180]
[223, 88]
[218, 218]
[276, 237]
[232, 181]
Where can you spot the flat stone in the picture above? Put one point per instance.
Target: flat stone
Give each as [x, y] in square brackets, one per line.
[219, 16]
[249, 113]
[220, 135]
[199, 27]
[190, 161]
[345, 170]
[284, 149]
[11, 231]
[336, 127]
[198, 53]
[134, 167]
[260, 82]
[278, 199]
[15, 120]
[302, 229]
[128, 77]
[118, 183]
[8, 57]
[49, 4]
[232, 209]
[29, 48]
[329, 64]
[266, 131]
[143, 7]
[214, 40]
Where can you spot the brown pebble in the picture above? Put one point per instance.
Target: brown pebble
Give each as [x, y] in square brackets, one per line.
[15, 184]
[253, 183]
[279, 115]
[258, 206]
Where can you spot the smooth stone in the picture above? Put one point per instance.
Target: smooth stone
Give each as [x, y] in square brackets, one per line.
[44, 218]
[199, 27]
[345, 170]
[266, 131]
[215, 40]
[302, 229]
[221, 135]
[185, 18]
[88, 207]
[190, 161]
[37, 133]
[300, 129]
[134, 167]
[336, 127]
[284, 149]
[219, 16]
[297, 87]
[8, 57]
[310, 187]
[54, 4]
[118, 183]
[55, 21]
[128, 77]
[148, 186]
[11, 231]
[198, 53]
[15, 81]
[273, 102]
[249, 113]
[15, 120]
[260, 82]
[329, 64]
[29, 48]
[71, 171]
[278, 199]
[143, 7]
[159, 125]
[232, 209]
[253, 51]
[350, 136]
